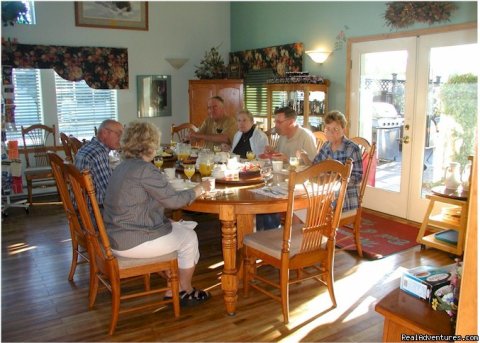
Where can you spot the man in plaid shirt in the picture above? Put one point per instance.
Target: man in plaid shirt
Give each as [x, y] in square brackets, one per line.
[94, 155]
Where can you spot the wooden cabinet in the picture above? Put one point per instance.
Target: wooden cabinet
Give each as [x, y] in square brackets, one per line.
[407, 315]
[310, 101]
[199, 91]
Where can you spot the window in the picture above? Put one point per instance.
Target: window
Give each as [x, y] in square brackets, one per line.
[81, 108]
[256, 95]
[28, 101]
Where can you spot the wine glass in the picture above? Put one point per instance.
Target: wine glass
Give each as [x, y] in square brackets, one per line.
[294, 162]
[158, 161]
[250, 155]
[189, 170]
[266, 173]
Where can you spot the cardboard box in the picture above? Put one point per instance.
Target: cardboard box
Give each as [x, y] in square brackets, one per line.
[423, 281]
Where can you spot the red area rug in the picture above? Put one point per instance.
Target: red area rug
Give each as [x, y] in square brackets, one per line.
[380, 237]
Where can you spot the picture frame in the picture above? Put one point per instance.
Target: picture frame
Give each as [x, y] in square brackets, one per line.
[234, 71]
[127, 15]
[154, 96]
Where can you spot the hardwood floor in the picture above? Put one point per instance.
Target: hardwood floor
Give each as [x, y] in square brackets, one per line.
[40, 304]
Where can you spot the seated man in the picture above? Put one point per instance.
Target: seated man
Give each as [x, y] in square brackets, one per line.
[218, 127]
[94, 155]
[293, 138]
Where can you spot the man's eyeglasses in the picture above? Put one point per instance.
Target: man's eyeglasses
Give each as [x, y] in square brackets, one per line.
[118, 133]
[281, 121]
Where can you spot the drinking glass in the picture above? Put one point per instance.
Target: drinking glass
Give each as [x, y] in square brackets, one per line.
[158, 161]
[294, 162]
[266, 173]
[250, 155]
[189, 170]
[217, 148]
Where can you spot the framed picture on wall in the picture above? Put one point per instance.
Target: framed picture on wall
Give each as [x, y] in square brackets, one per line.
[154, 96]
[130, 15]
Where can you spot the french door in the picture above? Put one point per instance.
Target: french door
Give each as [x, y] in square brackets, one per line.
[400, 99]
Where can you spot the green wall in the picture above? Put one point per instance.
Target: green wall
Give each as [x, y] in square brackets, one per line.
[317, 25]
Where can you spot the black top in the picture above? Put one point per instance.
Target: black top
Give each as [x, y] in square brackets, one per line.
[244, 143]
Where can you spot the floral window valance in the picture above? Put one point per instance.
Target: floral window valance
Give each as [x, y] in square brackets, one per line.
[281, 58]
[101, 68]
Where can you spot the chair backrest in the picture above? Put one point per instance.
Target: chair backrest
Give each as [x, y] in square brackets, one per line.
[57, 164]
[324, 185]
[369, 153]
[181, 132]
[66, 147]
[75, 145]
[320, 138]
[36, 140]
[89, 212]
[273, 138]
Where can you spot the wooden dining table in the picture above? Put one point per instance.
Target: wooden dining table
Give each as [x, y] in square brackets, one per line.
[236, 211]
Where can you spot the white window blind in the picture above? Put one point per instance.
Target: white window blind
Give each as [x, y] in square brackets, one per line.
[81, 108]
[256, 95]
[28, 101]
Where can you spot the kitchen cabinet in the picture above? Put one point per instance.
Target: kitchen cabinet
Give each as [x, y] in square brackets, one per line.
[309, 100]
[199, 91]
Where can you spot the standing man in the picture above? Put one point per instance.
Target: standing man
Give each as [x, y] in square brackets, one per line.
[94, 155]
[292, 136]
[218, 127]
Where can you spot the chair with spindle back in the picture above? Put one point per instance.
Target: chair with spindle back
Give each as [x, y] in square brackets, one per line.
[36, 140]
[109, 269]
[355, 216]
[77, 233]
[180, 133]
[320, 138]
[307, 248]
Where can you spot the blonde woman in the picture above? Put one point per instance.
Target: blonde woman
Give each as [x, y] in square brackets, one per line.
[137, 195]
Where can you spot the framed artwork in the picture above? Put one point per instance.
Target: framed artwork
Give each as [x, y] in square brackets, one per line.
[154, 96]
[129, 15]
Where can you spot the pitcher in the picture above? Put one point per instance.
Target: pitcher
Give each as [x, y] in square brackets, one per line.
[205, 162]
[452, 176]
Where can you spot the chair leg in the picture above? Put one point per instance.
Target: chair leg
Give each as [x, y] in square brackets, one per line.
[248, 265]
[115, 284]
[356, 232]
[284, 276]
[331, 292]
[92, 294]
[73, 266]
[30, 192]
[175, 286]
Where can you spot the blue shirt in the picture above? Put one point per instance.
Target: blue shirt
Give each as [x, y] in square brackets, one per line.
[94, 157]
[348, 150]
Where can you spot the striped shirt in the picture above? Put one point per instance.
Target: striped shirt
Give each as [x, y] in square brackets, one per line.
[94, 157]
[348, 150]
[137, 196]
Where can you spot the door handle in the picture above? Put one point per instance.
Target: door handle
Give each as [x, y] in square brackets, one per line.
[406, 139]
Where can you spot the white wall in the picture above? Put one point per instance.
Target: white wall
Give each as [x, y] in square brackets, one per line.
[176, 29]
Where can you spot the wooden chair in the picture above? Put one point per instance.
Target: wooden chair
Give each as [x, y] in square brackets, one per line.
[307, 248]
[321, 138]
[181, 132]
[77, 234]
[109, 269]
[38, 172]
[66, 148]
[75, 144]
[355, 216]
[273, 138]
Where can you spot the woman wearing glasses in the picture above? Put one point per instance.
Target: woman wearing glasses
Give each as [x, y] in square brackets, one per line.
[340, 148]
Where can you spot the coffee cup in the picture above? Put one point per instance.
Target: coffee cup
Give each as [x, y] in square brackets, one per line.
[170, 172]
[277, 166]
[211, 180]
